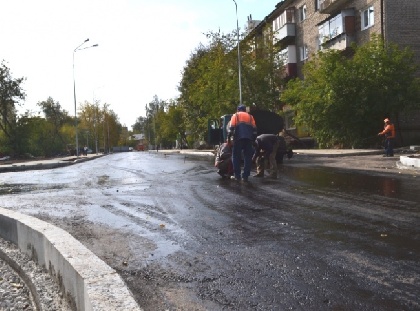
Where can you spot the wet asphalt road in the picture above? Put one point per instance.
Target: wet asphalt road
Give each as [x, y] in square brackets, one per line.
[184, 239]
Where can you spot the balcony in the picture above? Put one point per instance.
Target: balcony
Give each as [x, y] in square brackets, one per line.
[340, 43]
[284, 28]
[330, 6]
[285, 35]
[341, 32]
[289, 57]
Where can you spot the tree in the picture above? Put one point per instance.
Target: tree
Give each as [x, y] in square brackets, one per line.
[43, 136]
[343, 100]
[152, 122]
[111, 128]
[98, 126]
[56, 117]
[209, 84]
[89, 124]
[172, 126]
[263, 71]
[140, 126]
[35, 136]
[11, 93]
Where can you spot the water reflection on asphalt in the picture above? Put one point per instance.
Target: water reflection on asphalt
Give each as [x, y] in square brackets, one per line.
[386, 186]
[22, 188]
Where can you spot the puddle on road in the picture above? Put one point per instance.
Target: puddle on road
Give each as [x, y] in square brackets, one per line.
[22, 188]
[102, 180]
[354, 182]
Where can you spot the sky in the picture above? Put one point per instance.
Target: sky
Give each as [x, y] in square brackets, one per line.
[143, 46]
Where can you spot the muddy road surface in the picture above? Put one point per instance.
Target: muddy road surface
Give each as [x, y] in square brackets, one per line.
[323, 236]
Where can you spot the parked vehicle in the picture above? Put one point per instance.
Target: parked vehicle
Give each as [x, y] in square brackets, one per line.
[120, 149]
[71, 149]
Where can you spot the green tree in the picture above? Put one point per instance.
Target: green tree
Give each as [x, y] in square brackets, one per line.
[343, 100]
[209, 85]
[173, 125]
[154, 110]
[35, 136]
[263, 71]
[56, 117]
[11, 93]
[111, 128]
[139, 127]
[89, 122]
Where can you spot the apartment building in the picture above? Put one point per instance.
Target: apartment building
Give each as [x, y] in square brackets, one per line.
[300, 28]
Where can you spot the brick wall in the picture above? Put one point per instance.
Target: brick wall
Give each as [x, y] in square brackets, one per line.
[307, 30]
[397, 20]
[363, 36]
[402, 24]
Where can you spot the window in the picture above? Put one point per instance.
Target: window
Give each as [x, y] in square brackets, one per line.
[302, 13]
[303, 52]
[367, 18]
[287, 55]
[284, 56]
[317, 5]
[276, 24]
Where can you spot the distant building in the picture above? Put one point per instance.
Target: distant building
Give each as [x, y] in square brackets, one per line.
[251, 24]
[141, 142]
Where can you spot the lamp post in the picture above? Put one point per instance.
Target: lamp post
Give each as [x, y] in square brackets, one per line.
[74, 92]
[239, 55]
[95, 125]
[95, 105]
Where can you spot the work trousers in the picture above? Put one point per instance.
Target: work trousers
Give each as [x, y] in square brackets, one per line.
[389, 147]
[242, 145]
[271, 162]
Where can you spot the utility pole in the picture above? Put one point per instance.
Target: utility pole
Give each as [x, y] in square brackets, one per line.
[239, 55]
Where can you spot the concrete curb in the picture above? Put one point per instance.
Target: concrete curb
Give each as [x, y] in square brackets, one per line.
[333, 153]
[86, 280]
[409, 162]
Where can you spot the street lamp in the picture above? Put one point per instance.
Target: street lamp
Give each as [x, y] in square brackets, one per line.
[239, 55]
[106, 120]
[95, 124]
[95, 105]
[74, 92]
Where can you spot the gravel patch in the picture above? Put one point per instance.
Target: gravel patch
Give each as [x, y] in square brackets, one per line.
[24, 285]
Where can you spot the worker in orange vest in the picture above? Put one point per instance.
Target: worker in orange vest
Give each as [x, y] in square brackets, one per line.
[242, 131]
[389, 133]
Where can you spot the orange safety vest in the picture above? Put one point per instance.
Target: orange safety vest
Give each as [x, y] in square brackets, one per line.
[242, 117]
[389, 131]
[242, 125]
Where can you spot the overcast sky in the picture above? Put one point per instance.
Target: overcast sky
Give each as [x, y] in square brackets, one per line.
[143, 47]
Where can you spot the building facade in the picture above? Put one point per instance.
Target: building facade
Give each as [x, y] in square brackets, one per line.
[301, 28]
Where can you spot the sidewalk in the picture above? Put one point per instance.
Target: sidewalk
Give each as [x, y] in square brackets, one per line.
[42, 164]
[405, 158]
[309, 152]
